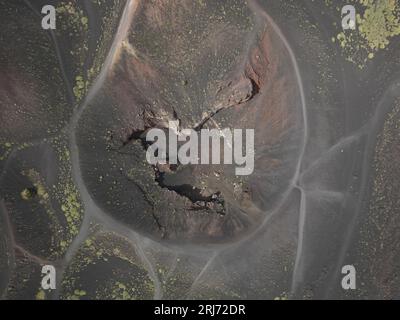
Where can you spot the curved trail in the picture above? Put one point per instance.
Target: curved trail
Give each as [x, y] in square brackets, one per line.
[91, 210]
[296, 184]
[89, 204]
[382, 107]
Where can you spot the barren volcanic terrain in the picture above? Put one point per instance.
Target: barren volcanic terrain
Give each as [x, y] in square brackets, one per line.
[77, 191]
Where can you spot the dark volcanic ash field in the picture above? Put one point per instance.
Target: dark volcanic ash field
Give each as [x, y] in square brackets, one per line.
[77, 192]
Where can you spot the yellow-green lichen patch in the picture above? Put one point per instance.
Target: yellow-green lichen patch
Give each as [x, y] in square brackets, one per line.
[39, 192]
[108, 28]
[78, 295]
[27, 194]
[34, 211]
[67, 195]
[74, 26]
[71, 207]
[119, 291]
[7, 147]
[75, 14]
[89, 47]
[380, 22]
[50, 197]
[283, 296]
[80, 87]
[39, 188]
[41, 295]
[106, 267]
[377, 24]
